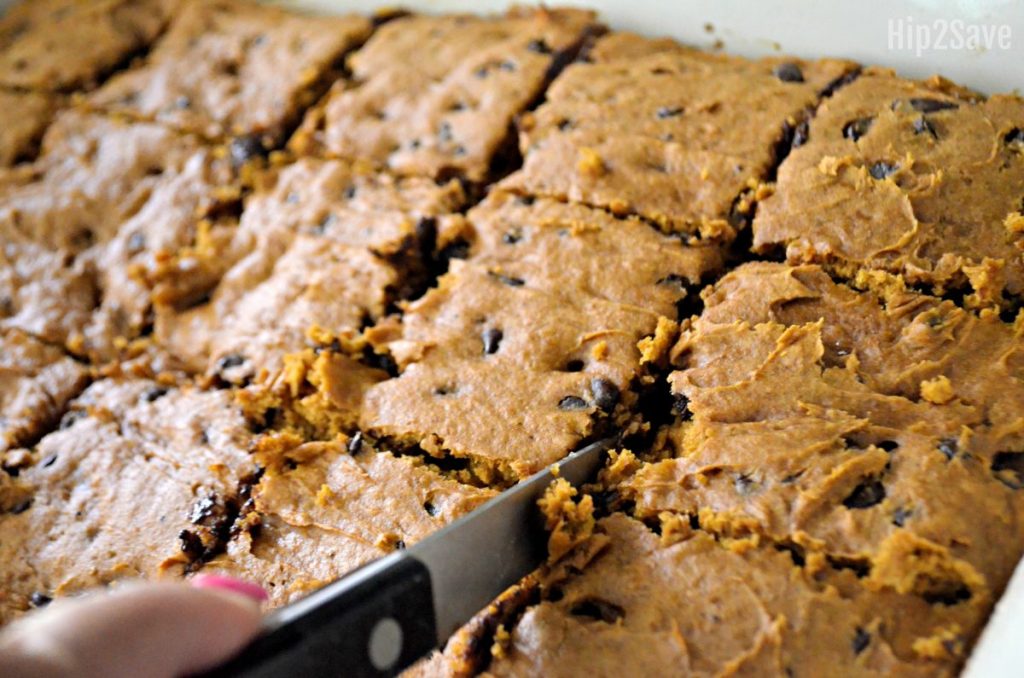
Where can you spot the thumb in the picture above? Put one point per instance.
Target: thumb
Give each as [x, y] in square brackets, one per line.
[160, 630]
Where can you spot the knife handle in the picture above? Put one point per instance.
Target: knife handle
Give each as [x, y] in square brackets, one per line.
[373, 622]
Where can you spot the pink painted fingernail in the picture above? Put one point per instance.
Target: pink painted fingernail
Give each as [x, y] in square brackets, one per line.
[240, 586]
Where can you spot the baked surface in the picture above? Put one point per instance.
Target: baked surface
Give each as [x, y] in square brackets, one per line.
[436, 96]
[892, 178]
[233, 68]
[789, 288]
[68, 45]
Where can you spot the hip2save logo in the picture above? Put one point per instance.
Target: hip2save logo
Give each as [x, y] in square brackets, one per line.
[943, 35]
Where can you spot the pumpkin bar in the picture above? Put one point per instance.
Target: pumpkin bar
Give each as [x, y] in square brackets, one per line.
[822, 419]
[66, 44]
[665, 132]
[23, 119]
[234, 68]
[101, 202]
[327, 247]
[579, 251]
[436, 95]
[138, 481]
[685, 603]
[500, 372]
[36, 382]
[322, 509]
[921, 179]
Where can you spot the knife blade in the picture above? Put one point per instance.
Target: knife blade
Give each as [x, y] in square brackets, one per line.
[385, 615]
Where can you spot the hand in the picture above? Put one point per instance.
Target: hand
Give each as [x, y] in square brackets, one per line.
[159, 630]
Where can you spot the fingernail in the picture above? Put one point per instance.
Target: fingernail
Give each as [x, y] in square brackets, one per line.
[225, 583]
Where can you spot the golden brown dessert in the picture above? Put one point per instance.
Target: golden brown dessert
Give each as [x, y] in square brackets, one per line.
[36, 382]
[68, 44]
[328, 247]
[820, 463]
[81, 223]
[137, 482]
[322, 509]
[924, 179]
[23, 119]
[436, 96]
[231, 68]
[638, 128]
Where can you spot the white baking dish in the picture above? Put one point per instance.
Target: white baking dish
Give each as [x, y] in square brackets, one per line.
[919, 38]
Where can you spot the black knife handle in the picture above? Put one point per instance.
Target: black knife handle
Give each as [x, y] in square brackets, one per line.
[373, 622]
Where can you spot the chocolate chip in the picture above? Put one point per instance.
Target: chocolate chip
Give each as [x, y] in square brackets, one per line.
[492, 337]
[565, 124]
[801, 134]
[539, 46]
[1015, 137]
[69, 419]
[512, 237]
[245, 148]
[673, 279]
[574, 365]
[21, 506]
[900, 515]
[355, 443]
[202, 509]
[508, 280]
[430, 509]
[855, 129]
[948, 596]
[923, 126]
[865, 495]
[597, 609]
[949, 447]
[888, 445]
[791, 478]
[1009, 469]
[38, 599]
[154, 393]
[788, 72]
[925, 105]
[572, 403]
[681, 406]
[191, 544]
[136, 242]
[50, 461]
[606, 394]
[349, 192]
[861, 639]
[880, 170]
[325, 223]
[669, 112]
[400, 545]
[743, 483]
[229, 361]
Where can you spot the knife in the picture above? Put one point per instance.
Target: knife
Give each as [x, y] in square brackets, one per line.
[382, 617]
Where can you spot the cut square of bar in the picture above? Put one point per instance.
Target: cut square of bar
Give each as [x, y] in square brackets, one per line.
[921, 179]
[679, 137]
[36, 383]
[63, 45]
[326, 248]
[141, 480]
[436, 95]
[235, 68]
[323, 509]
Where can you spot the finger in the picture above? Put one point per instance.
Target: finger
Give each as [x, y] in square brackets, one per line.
[160, 630]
